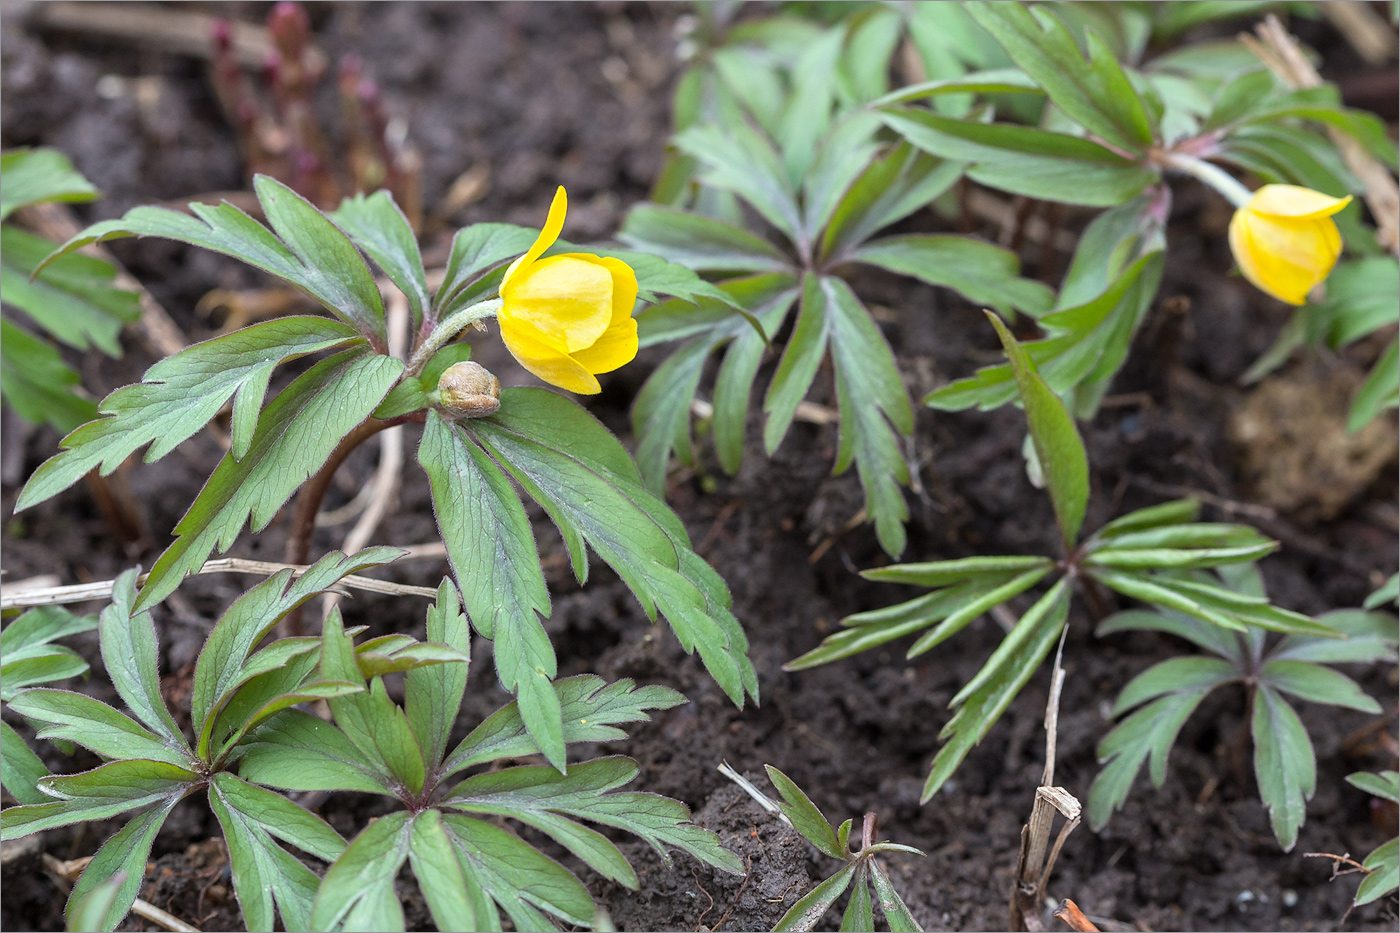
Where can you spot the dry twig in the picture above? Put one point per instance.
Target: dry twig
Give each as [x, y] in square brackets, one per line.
[65, 872]
[1072, 917]
[1280, 52]
[84, 592]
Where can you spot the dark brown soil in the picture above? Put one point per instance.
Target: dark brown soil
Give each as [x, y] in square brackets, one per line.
[578, 94]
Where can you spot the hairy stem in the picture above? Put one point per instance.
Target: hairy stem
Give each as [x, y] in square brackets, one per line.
[448, 329]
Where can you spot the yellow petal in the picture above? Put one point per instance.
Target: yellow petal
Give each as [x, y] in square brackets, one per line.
[1282, 256]
[548, 363]
[567, 302]
[615, 349]
[1294, 201]
[553, 226]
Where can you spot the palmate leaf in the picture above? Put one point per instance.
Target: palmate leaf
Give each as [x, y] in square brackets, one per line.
[378, 226]
[1384, 865]
[27, 655]
[661, 412]
[303, 248]
[983, 273]
[37, 384]
[295, 436]
[871, 395]
[891, 187]
[222, 667]
[123, 855]
[1031, 640]
[1096, 94]
[1284, 764]
[180, 394]
[102, 793]
[73, 299]
[1022, 160]
[578, 472]
[262, 870]
[20, 768]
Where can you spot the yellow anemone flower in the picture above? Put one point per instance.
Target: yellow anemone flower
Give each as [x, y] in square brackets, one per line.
[1285, 240]
[568, 317]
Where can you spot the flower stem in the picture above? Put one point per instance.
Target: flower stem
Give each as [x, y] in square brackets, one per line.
[1212, 175]
[448, 329]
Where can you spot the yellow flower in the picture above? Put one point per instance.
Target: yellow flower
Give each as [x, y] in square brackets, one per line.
[1285, 240]
[569, 316]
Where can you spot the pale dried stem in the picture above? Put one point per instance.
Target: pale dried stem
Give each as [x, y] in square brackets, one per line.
[748, 787]
[1371, 36]
[1072, 917]
[69, 871]
[1280, 52]
[85, 592]
[1037, 857]
[172, 30]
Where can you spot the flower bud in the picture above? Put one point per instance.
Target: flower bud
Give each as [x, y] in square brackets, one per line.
[468, 390]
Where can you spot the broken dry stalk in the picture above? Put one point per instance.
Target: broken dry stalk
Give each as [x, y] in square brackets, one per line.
[1072, 917]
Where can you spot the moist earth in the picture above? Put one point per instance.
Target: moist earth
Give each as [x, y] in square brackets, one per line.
[578, 94]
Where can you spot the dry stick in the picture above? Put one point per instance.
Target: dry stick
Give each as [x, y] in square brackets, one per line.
[386, 479]
[65, 872]
[1033, 867]
[85, 592]
[177, 31]
[1280, 52]
[1371, 36]
[1070, 914]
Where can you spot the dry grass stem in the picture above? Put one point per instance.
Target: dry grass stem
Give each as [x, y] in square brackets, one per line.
[1072, 917]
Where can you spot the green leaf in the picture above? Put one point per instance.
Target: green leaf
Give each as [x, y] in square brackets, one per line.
[476, 250]
[983, 708]
[1385, 785]
[1152, 731]
[991, 81]
[1380, 391]
[1178, 558]
[661, 412]
[982, 597]
[1176, 512]
[75, 717]
[1057, 443]
[40, 664]
[37, 384]
[841, 157]
[88, 914]
[739, 159]
[433, 695]
[862, 72]
[540, 796]
[370, 720]
[39, 626]
[1097, 94]
[1202, 634]
[1388, 592]
[946, 572]
[33, 176]
[1021, 160]
[297, 751]
[1176, 675]
[517, 876]
[1318, 684]
[295, 436]
[1153, 590]
[1284, 764]
[1384, 863]
[982, 273]
[876, 627]
[220, 669]
[1370, 636]
[20, 768]
[262, 870]
[453, 897]
[897, 915]
[1050, 610]
[376, 225]
[805, 817]
[357, 892]
[579, 473]
[589, 706]
[307, 250]
[493, 556]
[129, 653]
[859, 914]
[697, 242]
[73, 299]
[809, 910]
[123, 855]
[890, 188]
[100, 794]
[182, 393]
